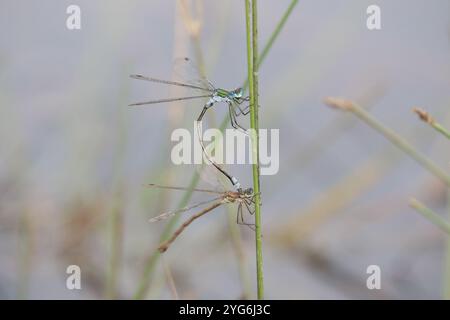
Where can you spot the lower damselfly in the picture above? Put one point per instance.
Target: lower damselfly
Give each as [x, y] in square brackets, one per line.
[243, 198]
[205, 89]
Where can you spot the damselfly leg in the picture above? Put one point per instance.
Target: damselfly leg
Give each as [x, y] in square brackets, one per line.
[234, 123]
[245, 110]
[240, 218]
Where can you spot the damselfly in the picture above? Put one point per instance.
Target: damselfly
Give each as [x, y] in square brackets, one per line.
[234, 98]
[243, 198]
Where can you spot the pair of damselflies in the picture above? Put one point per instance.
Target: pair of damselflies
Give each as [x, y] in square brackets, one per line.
[234, 99]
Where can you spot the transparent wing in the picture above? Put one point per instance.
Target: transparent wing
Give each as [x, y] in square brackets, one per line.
[186, 83]
[210, 176]
[187, 71]
[154, 185]
[169, 214]
[174, 83]
[167, 100]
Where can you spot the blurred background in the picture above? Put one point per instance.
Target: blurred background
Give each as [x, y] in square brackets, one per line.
[74, 156]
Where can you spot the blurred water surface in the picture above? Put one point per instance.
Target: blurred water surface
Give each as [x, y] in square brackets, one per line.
[74, 157]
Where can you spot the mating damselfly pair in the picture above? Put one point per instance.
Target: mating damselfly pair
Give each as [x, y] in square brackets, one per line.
[234, 100]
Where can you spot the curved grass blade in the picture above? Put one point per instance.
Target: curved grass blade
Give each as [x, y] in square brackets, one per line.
[165, 245]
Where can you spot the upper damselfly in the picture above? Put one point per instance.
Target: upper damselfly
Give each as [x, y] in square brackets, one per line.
[233, 98]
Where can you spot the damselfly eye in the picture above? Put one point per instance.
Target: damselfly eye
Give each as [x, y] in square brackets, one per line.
[238, 92]
[249, 191]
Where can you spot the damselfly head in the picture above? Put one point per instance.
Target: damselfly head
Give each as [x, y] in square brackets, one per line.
[248, 191]
[238, 93]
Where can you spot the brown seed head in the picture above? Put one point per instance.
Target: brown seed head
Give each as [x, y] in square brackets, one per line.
[339, 103]
[423, 115]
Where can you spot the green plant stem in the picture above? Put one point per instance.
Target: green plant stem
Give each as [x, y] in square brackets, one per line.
[392, 136]
[426, 117]
[446, 286]
[441, 129]
[117, 198]
[430, 215]
[274, 36]
[116, 246]
[278, 29]
[170, 226]
[252, 62]
[150, 263]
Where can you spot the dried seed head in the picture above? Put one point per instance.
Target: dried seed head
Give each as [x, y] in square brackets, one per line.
[339, 103]
[163, 248]
[423, 115]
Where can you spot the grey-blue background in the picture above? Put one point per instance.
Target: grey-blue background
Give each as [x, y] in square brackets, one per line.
[74, 156]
